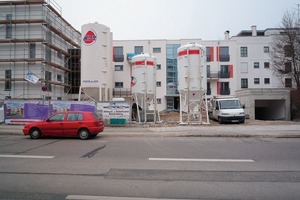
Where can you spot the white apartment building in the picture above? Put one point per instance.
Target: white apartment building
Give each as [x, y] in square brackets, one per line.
[238, 65]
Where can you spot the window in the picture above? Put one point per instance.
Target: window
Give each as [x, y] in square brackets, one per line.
[138, 50]
[224, 54]
[266, 49]
[244, 83]
[288, 51]
[244, 52]
[156, 50]
[74, 117]
[256, 80]
[256, 65]
[171, 68]
[266, 65]
[48, 54]
[267, 80]
[224, 73]
[47, 80]
[158, 83]
[244, 67]
[8, 26]
[118, 84]
[208, 88]
[288, 82]
[288, 67]
[32, 50]
[224, 90]
[209, 50]
[118, 55]
[118, 67]
[158, 100]
[59, 55]
[57, 117]
[59, 77]
[8, 80]
[158, 66]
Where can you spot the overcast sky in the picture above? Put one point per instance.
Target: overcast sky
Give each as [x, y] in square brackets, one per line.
[176, 19]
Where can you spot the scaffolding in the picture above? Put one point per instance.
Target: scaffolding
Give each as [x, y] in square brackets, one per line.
[35, 39]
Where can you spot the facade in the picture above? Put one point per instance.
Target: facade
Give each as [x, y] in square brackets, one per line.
[35, 42]
[41, 57]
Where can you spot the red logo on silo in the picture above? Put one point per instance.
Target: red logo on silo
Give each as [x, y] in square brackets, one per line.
[90, 37]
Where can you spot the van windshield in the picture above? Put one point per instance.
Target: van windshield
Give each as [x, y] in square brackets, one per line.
[230, 104]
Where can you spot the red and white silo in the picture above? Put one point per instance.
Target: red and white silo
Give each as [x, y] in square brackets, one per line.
[192, 80]
[96, 62]
[143, 83]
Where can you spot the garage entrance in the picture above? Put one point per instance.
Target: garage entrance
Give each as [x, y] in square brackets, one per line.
[270, 109]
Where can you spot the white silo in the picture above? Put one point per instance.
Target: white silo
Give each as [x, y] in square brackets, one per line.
[96, 62]
[192, 81]
[143, 84]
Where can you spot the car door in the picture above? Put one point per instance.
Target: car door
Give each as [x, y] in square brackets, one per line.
[72, 124]
[54, 125]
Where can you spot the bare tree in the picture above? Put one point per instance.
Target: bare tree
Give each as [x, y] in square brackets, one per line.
[285, 50]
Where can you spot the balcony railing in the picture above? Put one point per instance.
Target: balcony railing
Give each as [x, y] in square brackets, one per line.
[224, 74]
[224, 58]
[225, 91]
[212, 75]
[121, 92]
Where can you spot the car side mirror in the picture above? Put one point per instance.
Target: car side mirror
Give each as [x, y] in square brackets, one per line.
[243, 107]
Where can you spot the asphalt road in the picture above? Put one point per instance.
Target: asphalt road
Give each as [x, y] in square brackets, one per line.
[146, 168]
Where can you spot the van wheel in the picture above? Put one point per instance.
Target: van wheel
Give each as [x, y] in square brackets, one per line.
[35, 133]
[220, 120]
[83, 134]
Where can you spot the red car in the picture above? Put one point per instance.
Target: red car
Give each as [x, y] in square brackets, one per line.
[73, 123]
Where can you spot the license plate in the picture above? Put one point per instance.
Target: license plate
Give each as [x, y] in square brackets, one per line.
[234, 120]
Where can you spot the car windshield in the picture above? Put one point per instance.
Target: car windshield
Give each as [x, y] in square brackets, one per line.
[230, 104]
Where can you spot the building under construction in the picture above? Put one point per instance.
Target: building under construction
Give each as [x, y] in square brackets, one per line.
[36, 47]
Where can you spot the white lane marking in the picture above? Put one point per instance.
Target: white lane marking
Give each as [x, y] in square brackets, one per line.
[200, 160]
[83, 197]
[26, 156]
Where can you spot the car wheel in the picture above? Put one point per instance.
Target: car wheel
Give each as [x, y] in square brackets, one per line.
[83, 134]
[35, 133]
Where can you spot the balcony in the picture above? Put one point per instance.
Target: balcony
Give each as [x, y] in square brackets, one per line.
[121, 92]
[212, 75]
[224, 74]
[224, 58]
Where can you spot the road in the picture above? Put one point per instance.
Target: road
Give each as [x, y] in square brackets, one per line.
[146, 168]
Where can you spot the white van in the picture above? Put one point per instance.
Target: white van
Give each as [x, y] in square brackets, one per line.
[226, 109]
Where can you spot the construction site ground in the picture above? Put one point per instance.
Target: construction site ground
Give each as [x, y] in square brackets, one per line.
[173, 118]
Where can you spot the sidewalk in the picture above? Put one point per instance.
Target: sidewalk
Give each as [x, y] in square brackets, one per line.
[274, 130]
